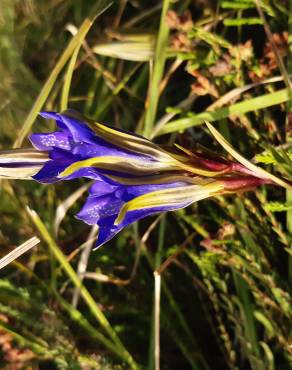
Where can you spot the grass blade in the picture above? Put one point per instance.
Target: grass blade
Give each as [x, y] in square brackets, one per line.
[96, 311]
[260, 102]
[159, 62]
[75, 43]
[17, 252]
[245, 162]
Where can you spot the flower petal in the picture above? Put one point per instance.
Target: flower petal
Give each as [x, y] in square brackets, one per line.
[137, 167]
[119, 138]
[99, 207]
[171, 198]
[48, 141]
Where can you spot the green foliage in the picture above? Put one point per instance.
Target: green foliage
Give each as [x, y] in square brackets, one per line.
[225, 291]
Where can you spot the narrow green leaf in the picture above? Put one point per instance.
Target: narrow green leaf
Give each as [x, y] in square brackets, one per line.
[242, 22]
[159, 62]
[68, 79]
[47, 88]
[260, 102]
[96, 311]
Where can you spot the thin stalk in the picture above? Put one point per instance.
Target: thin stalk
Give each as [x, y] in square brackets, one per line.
[157, 294]
[154, 347]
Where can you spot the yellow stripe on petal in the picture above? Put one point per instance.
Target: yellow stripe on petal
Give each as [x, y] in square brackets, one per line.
[129, 142]
[185, 150]
[198, 171]
[122, 139]
[120, 164]
[171, 197]
[159, 179]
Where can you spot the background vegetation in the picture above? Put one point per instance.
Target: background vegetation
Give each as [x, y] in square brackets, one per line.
[154, 68]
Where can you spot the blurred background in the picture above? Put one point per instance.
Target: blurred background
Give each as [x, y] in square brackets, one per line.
[225, 263]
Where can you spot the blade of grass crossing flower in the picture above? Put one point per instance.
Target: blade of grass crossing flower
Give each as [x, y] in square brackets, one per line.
[76, 42]
[259, 172]
[96, 311]
[241, 108]
[17, 252]
[159, 62]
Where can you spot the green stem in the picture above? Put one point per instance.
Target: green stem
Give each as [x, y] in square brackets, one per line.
[159, 62]
[96, 311]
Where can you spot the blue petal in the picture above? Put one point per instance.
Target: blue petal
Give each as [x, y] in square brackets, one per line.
[87, 143]
[54, 116]
[48, 141]
[106, 200]
[99, 207]
[108, 229]
[60, 160]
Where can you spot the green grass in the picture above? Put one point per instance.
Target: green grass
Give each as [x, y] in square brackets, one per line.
[224, 301]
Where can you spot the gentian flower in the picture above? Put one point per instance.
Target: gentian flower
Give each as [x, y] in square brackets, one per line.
[132, 176]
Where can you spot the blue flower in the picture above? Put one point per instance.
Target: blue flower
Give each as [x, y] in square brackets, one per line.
[133, 177]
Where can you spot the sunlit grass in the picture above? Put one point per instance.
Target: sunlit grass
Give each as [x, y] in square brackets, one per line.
[203, 288]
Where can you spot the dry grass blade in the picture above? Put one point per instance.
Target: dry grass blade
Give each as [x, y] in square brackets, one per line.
[83, 262]
[184, 104]
[157, 294]
[139, 51]
[66, 205]
[261, 173]
[240, 90]
[17, 252]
